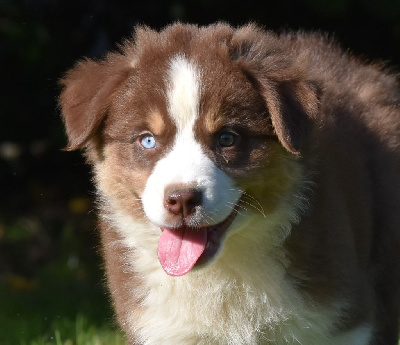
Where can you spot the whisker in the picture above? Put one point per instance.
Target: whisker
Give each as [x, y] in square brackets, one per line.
[257, 207]
[253, 202]
[234, 207]
[209, 220]
[240, 206]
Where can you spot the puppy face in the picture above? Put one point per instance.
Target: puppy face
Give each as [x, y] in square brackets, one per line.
[185, 175]
[183, 137]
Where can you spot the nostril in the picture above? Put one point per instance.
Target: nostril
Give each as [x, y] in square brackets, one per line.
[194, 198]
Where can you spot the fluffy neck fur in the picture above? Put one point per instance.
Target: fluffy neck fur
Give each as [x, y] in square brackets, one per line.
[243, 297]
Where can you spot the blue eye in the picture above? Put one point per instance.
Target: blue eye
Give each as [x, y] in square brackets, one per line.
[226, 139]
[148, 142]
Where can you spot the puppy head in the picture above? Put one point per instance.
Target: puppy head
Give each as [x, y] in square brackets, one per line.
[185, 126]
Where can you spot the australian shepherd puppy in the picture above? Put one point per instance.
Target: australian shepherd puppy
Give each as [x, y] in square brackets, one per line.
[248, 186]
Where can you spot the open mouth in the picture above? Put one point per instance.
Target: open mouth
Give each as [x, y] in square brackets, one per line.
[180, 249]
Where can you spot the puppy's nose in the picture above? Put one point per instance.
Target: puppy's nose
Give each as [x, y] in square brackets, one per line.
[182, 202]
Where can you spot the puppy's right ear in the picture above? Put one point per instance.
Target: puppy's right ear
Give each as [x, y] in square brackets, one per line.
[88, 89]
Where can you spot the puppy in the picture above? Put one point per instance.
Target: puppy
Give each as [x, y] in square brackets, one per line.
[248, 186]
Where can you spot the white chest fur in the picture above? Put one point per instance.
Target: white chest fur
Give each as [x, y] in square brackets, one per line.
[242, 298]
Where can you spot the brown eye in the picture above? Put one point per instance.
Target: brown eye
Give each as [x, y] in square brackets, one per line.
[226, 139]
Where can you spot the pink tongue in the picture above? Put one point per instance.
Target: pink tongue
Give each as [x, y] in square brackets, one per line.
[179, 249]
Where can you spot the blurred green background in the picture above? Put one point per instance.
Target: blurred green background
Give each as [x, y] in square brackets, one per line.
[51, 284]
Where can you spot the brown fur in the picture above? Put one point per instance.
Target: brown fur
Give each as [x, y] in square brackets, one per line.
[334, 115]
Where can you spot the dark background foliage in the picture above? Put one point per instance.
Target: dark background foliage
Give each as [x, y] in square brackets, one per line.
[45, 194]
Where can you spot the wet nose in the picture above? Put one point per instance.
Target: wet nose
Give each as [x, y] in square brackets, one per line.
[182, 202]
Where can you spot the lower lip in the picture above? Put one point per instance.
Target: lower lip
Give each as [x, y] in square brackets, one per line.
[215, 235]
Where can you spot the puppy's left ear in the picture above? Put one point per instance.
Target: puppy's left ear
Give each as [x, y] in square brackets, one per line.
[88, 89]
[292, 100]
[293, 106]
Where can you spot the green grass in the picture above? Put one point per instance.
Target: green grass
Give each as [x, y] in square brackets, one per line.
[59, 313]
[64, 303]
[77, 332]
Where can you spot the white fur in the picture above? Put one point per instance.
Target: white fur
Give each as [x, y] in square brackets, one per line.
[241, 298]
[184, 90]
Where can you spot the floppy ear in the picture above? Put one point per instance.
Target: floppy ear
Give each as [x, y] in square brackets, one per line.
[293, 105]
[292, 100]
[88, 89]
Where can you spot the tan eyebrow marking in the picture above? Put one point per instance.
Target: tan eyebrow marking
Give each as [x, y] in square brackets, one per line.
[156, 122]
[213, 122]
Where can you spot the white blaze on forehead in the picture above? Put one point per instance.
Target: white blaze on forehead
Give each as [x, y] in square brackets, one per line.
[184, 87]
